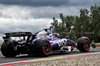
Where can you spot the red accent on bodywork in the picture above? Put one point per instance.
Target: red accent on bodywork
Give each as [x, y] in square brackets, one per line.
[55, 34]
[73, 47]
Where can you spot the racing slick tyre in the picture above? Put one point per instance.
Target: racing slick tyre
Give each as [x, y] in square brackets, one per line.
[42, 47]
[8, 50]
[83, 44]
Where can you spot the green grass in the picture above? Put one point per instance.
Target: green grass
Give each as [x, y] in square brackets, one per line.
[0, 45]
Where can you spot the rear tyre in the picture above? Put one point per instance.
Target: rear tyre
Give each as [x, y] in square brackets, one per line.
[8, 50]
[83, 44]
[42, 47]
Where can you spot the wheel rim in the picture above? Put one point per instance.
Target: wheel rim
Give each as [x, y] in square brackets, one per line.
[46, 47]
[86, 44]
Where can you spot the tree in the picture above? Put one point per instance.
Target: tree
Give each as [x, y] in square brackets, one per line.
[54, 25]
[81, 24]
[95, 21]
[85, 24]
[77, 27]
[64, 26]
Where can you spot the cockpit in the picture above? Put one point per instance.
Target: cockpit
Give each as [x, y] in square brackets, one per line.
[46, 34]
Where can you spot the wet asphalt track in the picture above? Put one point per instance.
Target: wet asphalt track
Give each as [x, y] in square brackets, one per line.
[33, 57]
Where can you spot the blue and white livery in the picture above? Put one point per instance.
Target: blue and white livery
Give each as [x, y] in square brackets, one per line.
[42, 43]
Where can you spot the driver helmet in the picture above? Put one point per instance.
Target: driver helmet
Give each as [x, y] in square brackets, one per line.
[48, 31]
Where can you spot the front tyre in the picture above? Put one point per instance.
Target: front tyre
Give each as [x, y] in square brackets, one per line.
[83, 44]
[42, 47]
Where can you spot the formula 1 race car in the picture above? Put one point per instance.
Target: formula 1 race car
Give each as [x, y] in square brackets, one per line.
[42, 43]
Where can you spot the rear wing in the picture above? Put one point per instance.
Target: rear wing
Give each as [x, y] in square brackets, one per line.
[17, 34]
